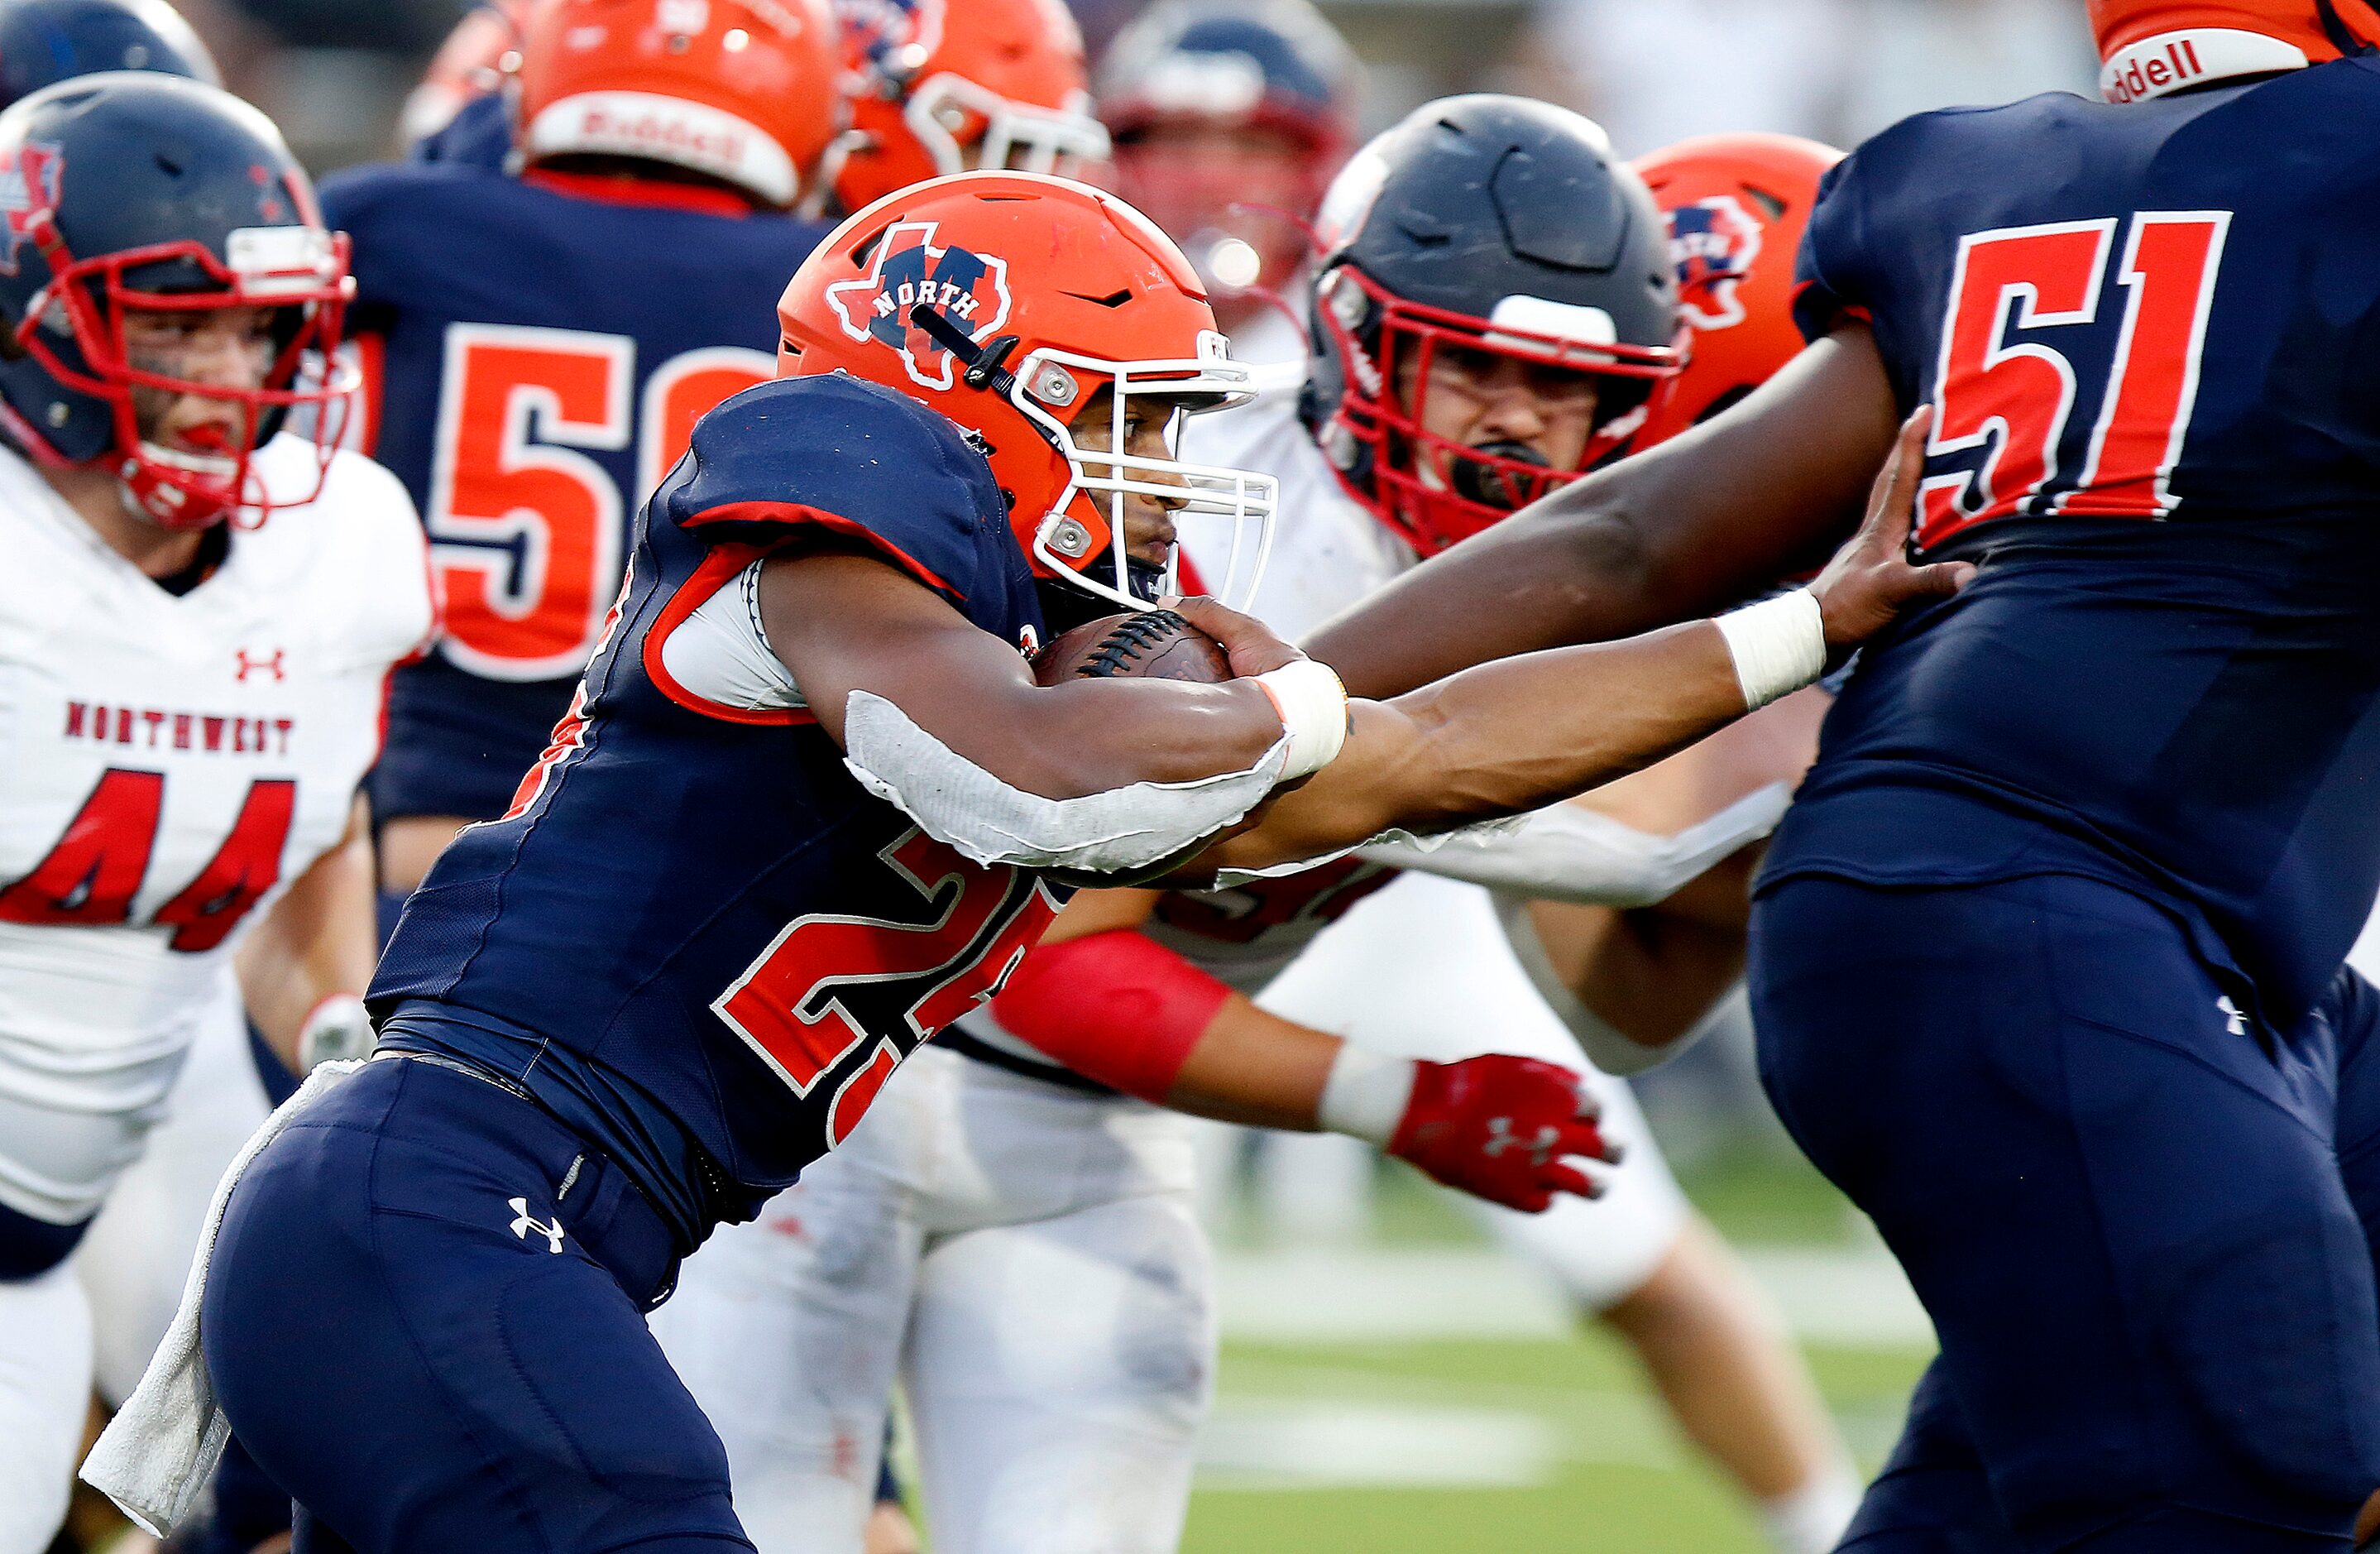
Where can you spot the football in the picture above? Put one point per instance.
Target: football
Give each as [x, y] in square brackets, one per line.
[1152, 645]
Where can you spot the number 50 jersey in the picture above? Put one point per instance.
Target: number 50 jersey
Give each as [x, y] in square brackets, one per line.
[2151, 335]
[536, 351]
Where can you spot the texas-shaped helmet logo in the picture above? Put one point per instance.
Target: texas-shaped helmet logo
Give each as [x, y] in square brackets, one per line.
[890, 35]
[1713, 243]
[969, 289]
[29, 191]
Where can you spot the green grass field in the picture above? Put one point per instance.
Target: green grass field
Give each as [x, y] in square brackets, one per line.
[1539, 1443]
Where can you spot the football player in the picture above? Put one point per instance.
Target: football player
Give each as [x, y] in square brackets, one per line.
[808, 806]
[536, 345]
[194, 630]
[1229, 118]
[45, 41]
[2046, 956]
[1630, 939]
[925, 1248]
[937, 87]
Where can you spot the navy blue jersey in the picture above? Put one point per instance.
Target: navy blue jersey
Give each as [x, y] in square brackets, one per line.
[479, 135]
[2152, 336]
[695, 938]
[535, 352]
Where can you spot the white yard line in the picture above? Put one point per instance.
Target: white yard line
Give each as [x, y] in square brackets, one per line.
[1853, 1296]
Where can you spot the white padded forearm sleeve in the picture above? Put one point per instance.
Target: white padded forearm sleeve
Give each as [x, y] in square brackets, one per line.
[1604, 1047]
[1565, 853]
[1113, 833]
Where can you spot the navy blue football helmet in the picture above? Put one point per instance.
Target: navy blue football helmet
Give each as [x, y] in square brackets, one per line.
[1271, 62]
[137, 191]
[45, 41]
[1228, 118]
[1491, 225]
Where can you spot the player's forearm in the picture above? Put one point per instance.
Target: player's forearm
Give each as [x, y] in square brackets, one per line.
[1500, 739]
[316, 946]
[1255, 1069]
[1566, 852]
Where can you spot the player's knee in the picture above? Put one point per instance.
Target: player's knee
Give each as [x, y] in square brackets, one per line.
[1695, 1288]
[2273, 1332]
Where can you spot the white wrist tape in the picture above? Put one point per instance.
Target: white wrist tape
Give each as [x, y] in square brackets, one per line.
[1778, 645]
[1313, 708]
[338, 1030]
[1568, 852]
[1366, 1095]
[1113, 832]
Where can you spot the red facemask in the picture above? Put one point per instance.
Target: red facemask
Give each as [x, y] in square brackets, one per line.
[197, 488]
[1202, 194]
[1378, 334]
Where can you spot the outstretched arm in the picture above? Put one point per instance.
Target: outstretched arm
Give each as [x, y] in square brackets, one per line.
[1709, 517]
[1520, 732]
[1111, 778]
[1115, 1006]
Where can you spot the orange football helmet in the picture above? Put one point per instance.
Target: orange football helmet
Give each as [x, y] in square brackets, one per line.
[740, 90]
[1737, 205]
[2151, 47]
[1006, 301]
[937, 86]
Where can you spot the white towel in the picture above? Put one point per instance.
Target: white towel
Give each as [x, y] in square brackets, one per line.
[161, 1448]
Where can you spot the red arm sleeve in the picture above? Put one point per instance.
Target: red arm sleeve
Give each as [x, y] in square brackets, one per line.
[1116, 1007]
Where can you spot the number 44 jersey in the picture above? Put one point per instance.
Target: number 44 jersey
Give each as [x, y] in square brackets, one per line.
[2151, 335]
[166, 764]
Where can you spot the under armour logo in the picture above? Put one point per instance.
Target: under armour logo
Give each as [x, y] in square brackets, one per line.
[524, 1223]
[2239, 1025]
[1501, 1137]
[272, 664]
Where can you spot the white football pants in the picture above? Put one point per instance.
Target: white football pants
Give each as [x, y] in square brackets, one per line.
[45, 1398]
[1423, 968]
[1025, 1261]
[136, 1255]
[114, 1297]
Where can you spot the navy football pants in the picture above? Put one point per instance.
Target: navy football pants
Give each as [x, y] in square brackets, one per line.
[435, 1347]
[2121, 1206]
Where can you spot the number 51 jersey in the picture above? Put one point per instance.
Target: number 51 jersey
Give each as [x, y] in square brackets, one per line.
[166, 763]
[2151, 334]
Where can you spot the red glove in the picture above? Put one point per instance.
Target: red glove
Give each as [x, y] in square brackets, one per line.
[1498, 1127]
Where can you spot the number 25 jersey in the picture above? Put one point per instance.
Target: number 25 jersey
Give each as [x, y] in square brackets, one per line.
[696, 938]
[2151, 334]
[537, 350]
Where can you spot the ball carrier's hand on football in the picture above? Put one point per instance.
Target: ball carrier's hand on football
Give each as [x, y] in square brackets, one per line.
[1493, 740]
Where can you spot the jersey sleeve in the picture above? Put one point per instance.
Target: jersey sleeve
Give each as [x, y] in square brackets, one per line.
[803, 458]
[1829, 280]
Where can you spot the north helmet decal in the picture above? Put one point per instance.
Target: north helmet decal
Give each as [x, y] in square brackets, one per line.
[968, 288]
[28, 192]
[1713, 243]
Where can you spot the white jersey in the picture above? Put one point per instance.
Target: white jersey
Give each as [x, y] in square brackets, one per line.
[170, 764]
